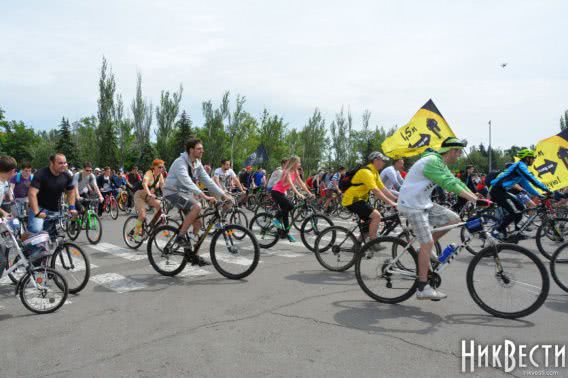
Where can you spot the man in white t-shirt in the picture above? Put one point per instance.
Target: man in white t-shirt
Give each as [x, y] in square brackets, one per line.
[391, 177]
[226, 178]
[85, 185]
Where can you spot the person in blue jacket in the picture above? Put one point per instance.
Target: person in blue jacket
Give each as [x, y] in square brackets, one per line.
[517, 174]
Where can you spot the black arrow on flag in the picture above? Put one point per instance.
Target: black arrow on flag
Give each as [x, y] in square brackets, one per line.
[423, 141]
[563, 155]
[432, 125]
[549, 166]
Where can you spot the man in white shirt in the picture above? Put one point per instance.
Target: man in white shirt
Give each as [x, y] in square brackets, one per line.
[225, 177]
[391, 177]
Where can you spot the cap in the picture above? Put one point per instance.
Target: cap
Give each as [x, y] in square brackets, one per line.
[377, 155]
[452, 143]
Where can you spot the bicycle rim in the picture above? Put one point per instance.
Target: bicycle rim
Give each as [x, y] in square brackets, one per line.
[165, 256]
[72, 262]
[234, 258]
[336, 248]
[50, 294]
[559, 267]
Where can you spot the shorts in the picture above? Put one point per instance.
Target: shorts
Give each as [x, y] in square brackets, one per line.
[140, 200]
[184, 202]
[422, 221]
[362, 208]
[331, 193]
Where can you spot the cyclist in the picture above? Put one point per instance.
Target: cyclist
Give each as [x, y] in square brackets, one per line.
[276, 175]
[391, 177]
[19, 187]
[7, 172]
[133, 184]
[333, 191]
[517, 174]
[467, 178]
[226, 178]
[106, 186]
[415, 204]
[181, 190]
[45, 192]
[290, 176]
[367, 180]
[85, 184]
[151, 181]
[259, 178]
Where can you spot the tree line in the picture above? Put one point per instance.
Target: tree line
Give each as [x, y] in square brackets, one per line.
[120, 134]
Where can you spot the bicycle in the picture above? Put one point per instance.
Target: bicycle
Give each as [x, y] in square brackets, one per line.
[503, 265]
[123, 199]
[559, 266]
[336, 247]
[66, 257]
[129, 229]
[42, 290]
[110, 206]
[167, 259]
[88, 221]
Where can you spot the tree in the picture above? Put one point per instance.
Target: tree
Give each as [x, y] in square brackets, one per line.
[106, 131]
[564, 121]
[142, 112]
[166, 115]
[234, 126]
[65, 143]
[84, 133]
[125, 137]
[18, 140]
[314, 142]
[272, 131]
[182, 134]
[213, 135]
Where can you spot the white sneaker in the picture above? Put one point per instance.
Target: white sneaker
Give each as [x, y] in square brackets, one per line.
[430, 293]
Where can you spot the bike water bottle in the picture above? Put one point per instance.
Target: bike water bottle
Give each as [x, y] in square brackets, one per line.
[448, 251]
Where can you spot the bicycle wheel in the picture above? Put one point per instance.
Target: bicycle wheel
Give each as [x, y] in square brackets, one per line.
[18, 273]
[265, 232]
[550, 235]
[312, 227]
[238, 217]
[336, 248]
[50, 294]
[128, 232]
[73, 228]
[507, 281]
[406, 237]
[166, 256]
[94, 228]
[113, 206]
[344, 213]
[386, 269]
[73, 263]
[478, 241]
[559, 266]
[122, 200]
[251, 203]
[298, 214]
[234, 258]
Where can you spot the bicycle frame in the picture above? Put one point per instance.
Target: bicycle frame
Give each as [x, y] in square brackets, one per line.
[8, 236]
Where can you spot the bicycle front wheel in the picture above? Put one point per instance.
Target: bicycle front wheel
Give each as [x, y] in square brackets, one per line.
[49, 295]
[238, 217]
[164, 254]
[559, 266]
[73, 228]
[235, 258]
[312, 227]
[94, 228]
[129, 232]
[507, 281]
[73, 263]
[550, 235]
[113, 208]
[336, 248]
[264, 231]
[386, 269]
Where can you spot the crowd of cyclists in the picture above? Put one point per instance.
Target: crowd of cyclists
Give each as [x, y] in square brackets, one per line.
[419, 194]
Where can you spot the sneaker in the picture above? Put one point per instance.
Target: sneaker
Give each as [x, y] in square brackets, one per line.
[277, 224]
[291, 238]
[183, 242]
[430, 293]
[137, 238]
[197, 260]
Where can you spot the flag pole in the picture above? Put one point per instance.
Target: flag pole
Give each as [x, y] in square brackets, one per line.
[489, 150]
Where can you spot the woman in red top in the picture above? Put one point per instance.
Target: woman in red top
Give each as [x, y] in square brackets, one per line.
[290, 176]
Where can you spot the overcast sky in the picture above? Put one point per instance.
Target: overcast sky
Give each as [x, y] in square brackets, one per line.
[291, 56]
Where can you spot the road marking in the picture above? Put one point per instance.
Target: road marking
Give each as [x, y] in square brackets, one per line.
[79, 265]
[193, 271]
[117, 282]
[281, 253]
[118, 251]
[5, 280]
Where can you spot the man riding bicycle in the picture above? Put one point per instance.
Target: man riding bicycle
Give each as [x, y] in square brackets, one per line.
[415, 204]
[182, 191]
[85, 184]
[515, 176]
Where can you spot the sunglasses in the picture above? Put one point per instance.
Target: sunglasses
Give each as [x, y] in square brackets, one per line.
[88, 170]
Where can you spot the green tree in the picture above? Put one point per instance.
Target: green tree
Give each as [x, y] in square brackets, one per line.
[564, 121]
[107, 144]
[213, 135]
[44, 147]
[125, 136]
[272, 131]
[314, 142]
[18, 140]
[182, 134]
[142, 113]
[166, 115]
[84, 133]
[65, 143]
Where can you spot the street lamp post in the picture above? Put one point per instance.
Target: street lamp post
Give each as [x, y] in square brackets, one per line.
[489, 149]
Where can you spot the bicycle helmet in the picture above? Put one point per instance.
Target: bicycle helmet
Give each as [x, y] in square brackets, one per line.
[377, 155]
[452, 143]
[525, 152]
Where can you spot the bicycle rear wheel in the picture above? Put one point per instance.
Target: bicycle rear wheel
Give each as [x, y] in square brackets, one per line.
[238, 217]
[129, 230]
[49, 296]
[507, 281]
[113, 205]
[94, 228]
[235, 258]
[264, 231]
[73, 263]
[550, 235]
[164, 254]
[559, 266]
[312, 227]
[336, 248]
[386, 269]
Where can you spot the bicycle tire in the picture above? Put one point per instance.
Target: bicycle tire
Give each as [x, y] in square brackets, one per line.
[238, 217]
[155, 264]
[127, 228]
[96, 221]
[256, 251]
[59, 282]
[308, 228]
[262, 224]
[336, 249]
[362, 257]
[543, 233]
[74, 285]
[437, 247]
[488, 253]
[553, 262]
[113, 208]
[73, 228]
[488, 220]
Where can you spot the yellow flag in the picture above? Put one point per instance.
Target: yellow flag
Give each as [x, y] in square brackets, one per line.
[427, 129]
[551, 163]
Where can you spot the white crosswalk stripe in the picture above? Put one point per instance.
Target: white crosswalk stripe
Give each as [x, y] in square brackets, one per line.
[119, 251]
[117, 283]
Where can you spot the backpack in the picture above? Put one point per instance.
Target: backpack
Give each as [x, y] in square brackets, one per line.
[346, 181]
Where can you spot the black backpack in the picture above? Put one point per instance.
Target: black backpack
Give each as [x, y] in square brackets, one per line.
[346, 181]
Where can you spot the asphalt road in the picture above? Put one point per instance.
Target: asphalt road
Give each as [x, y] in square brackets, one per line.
[290, 318]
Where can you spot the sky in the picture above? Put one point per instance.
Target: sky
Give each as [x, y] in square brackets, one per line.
[291, 56]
